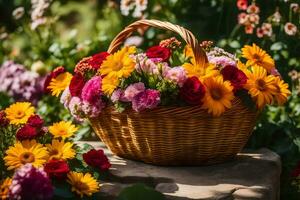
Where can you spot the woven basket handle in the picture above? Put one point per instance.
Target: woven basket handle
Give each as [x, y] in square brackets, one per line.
[189, 38]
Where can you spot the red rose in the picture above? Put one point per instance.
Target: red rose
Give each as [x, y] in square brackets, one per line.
[35, 121]
[192, 91]
[27, 132]
[159, 52]
[57, 71]
[97, 158]
[57, 169]
[96, 60]
[236, 77]
[76, 85]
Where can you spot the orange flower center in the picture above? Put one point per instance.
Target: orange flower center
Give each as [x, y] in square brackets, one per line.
[261, 84]
[216, 93]
[27, 157]
[62, 132]
[20, 114]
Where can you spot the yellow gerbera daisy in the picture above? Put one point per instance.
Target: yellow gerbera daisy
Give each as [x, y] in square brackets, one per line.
[260, 86]
[257, 56]
[218, 95]
[60, 83]
[60, 150]
[62, 129]
[202, 73]
[109, 84]
[27, 151]
[119, 64]
[18, 113]
[83, 184]
[4, 188]
[282, 91]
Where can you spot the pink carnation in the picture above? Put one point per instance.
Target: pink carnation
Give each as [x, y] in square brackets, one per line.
[147, 99]
[91, 92]
[146, 65]
[117, 95]
[132, 90]
[92, 110]
[175, 74]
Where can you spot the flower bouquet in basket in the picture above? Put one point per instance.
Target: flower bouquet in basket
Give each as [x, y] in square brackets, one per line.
[174, 103]
[42, 162]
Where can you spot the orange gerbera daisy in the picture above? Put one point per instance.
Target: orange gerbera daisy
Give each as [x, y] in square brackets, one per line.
[282, 91]
[257, 56]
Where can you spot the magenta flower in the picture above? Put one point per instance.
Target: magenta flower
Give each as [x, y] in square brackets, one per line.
[30, 183]
[91, 92]
[147, 99]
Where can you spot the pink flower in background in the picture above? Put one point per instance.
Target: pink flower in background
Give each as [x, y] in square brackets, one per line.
[253, 19]
[242, 4]
[132, 90]
[92, 110]
[253, 9]
[176, 74]
[222, 61]
[147, 99]
[243, 18]
[290, 29]
[249, 29]
[91, 92]
[259, 32]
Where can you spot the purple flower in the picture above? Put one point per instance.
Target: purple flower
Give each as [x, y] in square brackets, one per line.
[147, 99]
[91, 92]
[21, 84]
[117, 95]
[30, 183]
[132, 90]
[175, 74]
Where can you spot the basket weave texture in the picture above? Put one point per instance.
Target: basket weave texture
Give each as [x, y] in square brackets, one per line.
[174, 135]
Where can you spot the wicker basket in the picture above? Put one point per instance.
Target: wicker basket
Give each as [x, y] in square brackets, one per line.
[174, 135]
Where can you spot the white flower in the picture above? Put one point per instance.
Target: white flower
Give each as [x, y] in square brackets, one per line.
[290, 29]
[137, 5]
[126, 6]
[18, 13]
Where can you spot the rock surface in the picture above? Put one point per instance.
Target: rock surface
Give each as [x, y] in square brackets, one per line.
[252, 175]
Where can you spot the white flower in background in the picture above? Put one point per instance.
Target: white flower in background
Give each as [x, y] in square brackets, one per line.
[38, 67]
[276, 17]
[134, 41]
[18, 13]
[290, 29]
[127, 6]
[294, 7]
[38, 9]
[138, 6]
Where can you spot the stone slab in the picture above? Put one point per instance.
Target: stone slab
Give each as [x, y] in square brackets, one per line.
[253, 175]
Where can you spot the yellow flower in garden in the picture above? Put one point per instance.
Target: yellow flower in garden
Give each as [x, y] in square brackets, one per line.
[119, 64]
[257, 56]
[59, 83]
[282, 91]
[28, 151]
[202, 73]
[83, 184]
[4, 188]
[62, 129]
[18, 113]
[60, 150]
[218, 95]
[109, 84]
[260, 86]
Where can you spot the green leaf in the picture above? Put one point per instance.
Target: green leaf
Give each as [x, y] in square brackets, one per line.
[140, 192]
[63, 192]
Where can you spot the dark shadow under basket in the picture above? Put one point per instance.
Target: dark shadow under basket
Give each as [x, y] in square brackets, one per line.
[176, 135]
